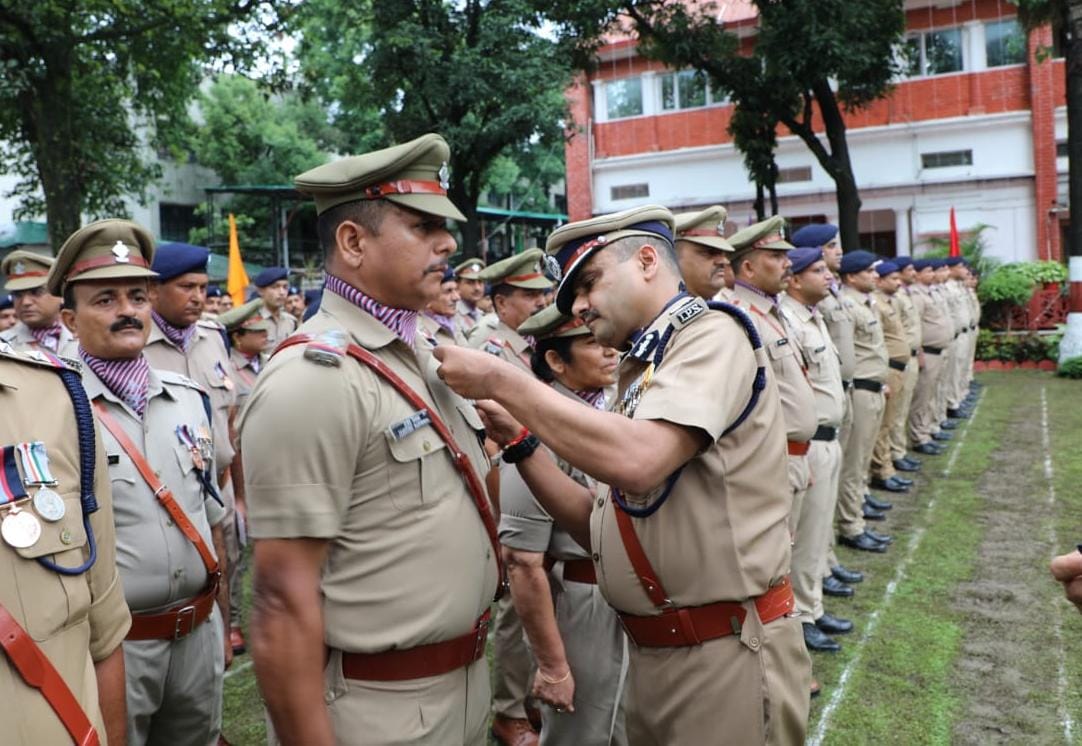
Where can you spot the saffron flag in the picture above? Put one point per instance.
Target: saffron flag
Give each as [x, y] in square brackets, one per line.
[237, 280]
[956, 247]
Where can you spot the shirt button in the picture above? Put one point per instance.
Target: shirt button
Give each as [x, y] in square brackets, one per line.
[65, 536]
[754, 642]
[596, 557]
[178, 572]
[601, 502]
[427, 446]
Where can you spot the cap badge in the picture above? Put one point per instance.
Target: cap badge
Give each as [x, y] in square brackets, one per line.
[121, 252]
[445, 176]
[19, 268]
[552, 268]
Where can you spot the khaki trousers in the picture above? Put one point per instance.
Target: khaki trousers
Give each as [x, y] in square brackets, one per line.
[511, 662]
[843, 439]
[596, 649]
[882, 462]
[812, 539]
[946, 383]
[963, 368]
[433, 711]
[898, 444]
[233, 555]
[799, 477]
[745, 691]
[174, 687]
[856, 458]
[922, 414]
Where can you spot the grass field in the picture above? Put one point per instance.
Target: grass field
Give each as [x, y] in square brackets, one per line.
[961, 635]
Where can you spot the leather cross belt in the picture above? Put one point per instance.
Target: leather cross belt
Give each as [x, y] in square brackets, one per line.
[694, 625]
[434, 659]
[178, 622]
[798, 447]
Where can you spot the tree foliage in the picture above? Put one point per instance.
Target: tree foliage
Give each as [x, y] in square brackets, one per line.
[90, 88]
[478, 72]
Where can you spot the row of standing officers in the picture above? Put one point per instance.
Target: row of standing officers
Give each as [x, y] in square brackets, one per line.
[405, 452]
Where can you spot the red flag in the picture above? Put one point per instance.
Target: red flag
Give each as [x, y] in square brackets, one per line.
[956, 248]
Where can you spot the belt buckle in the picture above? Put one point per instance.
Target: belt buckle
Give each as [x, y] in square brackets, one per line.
[188, 612]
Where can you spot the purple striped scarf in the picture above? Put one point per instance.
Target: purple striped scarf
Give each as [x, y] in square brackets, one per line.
[180, 336]
[594, 397]
[401, 321]
[128, 379]
[48, 336]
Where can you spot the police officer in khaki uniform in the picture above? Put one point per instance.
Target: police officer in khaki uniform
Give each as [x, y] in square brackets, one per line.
[439, 320]
[183, 342]
[37, 311]
[858, 282]
[691, 530]
[909, 307]
[375, 557]
[937, 333]
[157, 438]
[808, 286]
[247, 333]
[967, 333]
[518, 291]
[574, 635]
[7, 312]
[899, 353]
[837, 313]
[703, 253]
[471, 289]
[272, 285]
[73, 623]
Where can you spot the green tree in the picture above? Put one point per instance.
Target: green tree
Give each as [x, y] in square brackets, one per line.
[812, 61]
[89, 89]
[478, 72]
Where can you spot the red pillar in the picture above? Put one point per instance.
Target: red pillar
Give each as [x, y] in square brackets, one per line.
[580, 193]
[1042, 107]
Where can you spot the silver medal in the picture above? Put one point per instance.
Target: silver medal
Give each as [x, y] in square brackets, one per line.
[20, 529]
[49, 505]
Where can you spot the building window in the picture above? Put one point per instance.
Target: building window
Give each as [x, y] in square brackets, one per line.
[176, 221]
[946, 159]
[1005, 43]
[623, 98]
[934, 52]
[797, 173]
[1061, 149]
[687, 90]
[629, 191]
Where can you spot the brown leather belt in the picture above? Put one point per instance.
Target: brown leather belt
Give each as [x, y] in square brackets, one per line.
[694, 625]
[798, 447]
[580, 571]
[424, 660]
[178, 622]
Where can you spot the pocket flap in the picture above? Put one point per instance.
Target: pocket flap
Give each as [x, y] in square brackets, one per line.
[57, 536]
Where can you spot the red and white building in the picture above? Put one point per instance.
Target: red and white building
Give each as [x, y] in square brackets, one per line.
[978, 124]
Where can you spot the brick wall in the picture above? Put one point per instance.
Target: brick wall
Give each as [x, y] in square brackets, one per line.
[1043, 99]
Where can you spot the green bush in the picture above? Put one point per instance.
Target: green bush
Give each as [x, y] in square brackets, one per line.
[1044, 271]
[1070, 368]
[987, 345]
[1008, 283]
[1009, 349]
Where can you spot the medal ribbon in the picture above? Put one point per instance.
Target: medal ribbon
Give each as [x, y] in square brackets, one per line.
[11, 484]
[35, 463]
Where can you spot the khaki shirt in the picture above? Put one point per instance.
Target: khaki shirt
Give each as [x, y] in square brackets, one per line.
[975, 305]
[824, 365]
[910, 314]
[244, 376]
[524, 524]
[431, 328]
[158, 564]
[409, 561]
[724, 533]
[207, 363]
[937, 330]
[869, 347]
[466, 317]
[22, 340]
[955, 306]
[504, 342]
[893, 331]
[75, 620]
[837, 311]
[281, 326]
[787, 360]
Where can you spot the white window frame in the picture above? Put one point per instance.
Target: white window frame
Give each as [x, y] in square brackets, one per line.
[964, 45]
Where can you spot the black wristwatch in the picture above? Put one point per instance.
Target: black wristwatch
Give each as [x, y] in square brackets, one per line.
[521, 450]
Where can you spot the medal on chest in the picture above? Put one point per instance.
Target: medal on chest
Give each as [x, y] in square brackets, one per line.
[35, 461]
[189, 440]
[19, 528]
[631, 398]
[219, 370]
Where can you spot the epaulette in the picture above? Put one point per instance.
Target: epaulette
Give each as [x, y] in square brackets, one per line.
[686, 311]
[210, 324]
[36, 357]
[169, 377]
[493, 346]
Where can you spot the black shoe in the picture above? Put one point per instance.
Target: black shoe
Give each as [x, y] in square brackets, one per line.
[891, 484]
[818, 640]
[834, 587]
[871, 514]
[863, 542]
[941, 436]
[883, 539]
[903, 481]
[958, 414]
[833, 625]
[846, 575]
[948, 424]
[875, 504]
[907, 464]
[928, 449]
[975, 385]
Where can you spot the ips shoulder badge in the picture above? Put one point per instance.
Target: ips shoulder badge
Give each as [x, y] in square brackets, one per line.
[686, 311]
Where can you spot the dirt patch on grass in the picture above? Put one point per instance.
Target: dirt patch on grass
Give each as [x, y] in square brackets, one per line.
[1005, 674]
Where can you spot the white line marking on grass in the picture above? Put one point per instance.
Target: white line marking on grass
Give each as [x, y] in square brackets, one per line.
[1057, 627]
[838, 694]
[239, 669]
